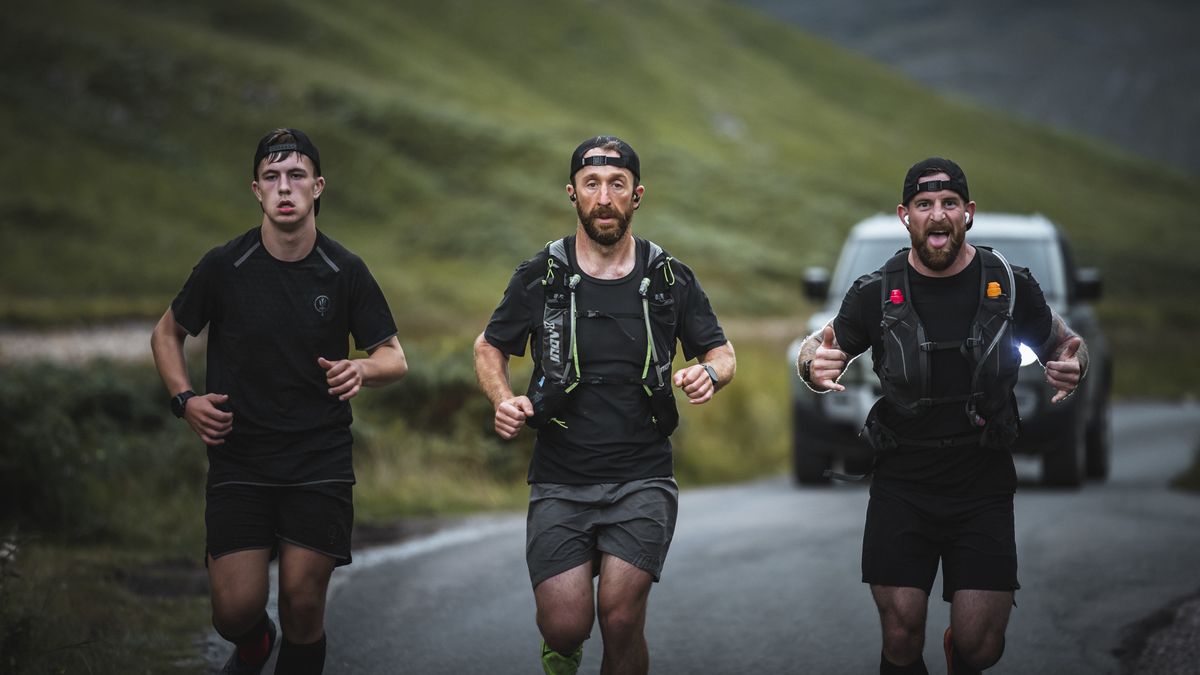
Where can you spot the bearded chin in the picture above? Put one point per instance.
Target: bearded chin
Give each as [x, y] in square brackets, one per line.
[938, 259]
[604, 237]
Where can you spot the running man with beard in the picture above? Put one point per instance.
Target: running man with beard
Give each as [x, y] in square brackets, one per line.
[602, 310]
[943, 320]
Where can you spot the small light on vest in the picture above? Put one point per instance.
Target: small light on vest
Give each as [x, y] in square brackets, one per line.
[897, 297]
[1027, 355]
[993, 289]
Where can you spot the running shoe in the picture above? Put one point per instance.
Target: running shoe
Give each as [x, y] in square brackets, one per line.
[560, 664]
[236, 666]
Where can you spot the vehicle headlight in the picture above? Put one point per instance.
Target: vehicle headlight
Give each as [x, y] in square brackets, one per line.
[1027, 355]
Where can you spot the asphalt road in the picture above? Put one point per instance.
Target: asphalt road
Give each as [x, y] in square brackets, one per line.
[764, 578]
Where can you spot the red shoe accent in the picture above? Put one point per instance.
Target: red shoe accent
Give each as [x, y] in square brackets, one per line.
[948, 647]
[256, 655]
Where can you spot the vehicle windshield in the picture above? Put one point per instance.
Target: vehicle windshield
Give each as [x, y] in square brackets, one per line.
[866, 256]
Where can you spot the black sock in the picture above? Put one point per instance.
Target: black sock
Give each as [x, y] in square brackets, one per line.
[297, 659]
[915, 668]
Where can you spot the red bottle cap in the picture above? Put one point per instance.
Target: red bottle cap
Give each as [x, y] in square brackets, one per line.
[897, 296]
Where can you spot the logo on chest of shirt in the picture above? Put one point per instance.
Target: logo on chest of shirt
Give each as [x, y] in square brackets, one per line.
[321, 304]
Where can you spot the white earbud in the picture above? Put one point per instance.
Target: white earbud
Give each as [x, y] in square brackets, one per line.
[968, 216]
[905, 220]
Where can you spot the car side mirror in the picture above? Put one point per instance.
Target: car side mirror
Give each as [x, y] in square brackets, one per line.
[816, 283]
[1087, 284]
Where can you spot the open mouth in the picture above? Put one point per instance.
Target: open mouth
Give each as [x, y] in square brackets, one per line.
[938, 238]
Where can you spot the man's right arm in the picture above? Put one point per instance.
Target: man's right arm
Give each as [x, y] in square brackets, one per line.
[491, 369]
[210, 423]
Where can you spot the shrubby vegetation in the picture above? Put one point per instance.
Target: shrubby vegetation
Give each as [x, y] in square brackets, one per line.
[96, 481]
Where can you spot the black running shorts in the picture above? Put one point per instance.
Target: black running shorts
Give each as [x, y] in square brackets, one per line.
[569, 525]
[319, 517]
[908, 533]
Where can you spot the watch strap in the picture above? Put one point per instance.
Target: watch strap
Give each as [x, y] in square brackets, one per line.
[179, 402]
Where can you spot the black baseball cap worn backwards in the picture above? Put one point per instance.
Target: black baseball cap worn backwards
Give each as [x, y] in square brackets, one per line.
[301, 144]
[627, 160]
[957, 182]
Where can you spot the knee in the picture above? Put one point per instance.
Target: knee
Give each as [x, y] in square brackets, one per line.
[234, 614]
[981, 651]
[621, 620]
[563, 628]
[302, 615]
[232, 621]
[903, 643]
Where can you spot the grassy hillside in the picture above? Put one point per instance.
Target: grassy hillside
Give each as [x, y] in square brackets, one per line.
[445, 130]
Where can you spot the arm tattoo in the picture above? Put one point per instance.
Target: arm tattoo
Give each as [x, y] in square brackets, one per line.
[808, 349]
[1060, 333]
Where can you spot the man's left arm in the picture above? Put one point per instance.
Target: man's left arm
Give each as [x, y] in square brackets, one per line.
[385, 363]
[1065, 356]
[697, 381]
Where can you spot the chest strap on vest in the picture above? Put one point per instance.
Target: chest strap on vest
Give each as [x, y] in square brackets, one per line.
[931, 346]
[951, 442]
[938, 400]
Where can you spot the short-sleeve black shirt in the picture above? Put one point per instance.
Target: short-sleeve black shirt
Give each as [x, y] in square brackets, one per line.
[946, 306]
[609, 437]
[269, 320]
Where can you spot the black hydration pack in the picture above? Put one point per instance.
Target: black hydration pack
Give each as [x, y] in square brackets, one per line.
[991, 349]
[549, 390]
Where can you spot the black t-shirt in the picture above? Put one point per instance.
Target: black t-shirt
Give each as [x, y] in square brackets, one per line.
[609, 435]
[946, 306]
[269, 320]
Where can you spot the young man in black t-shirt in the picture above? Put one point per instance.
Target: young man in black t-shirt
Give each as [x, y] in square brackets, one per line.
[944, 478]
[280, 302]
[602, 497]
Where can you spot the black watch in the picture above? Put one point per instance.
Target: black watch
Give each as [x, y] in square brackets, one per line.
[179, 402]
[712, 372]
[806, 370]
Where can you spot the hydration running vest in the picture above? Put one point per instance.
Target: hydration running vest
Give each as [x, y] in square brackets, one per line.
[905, 368]
[559, 355]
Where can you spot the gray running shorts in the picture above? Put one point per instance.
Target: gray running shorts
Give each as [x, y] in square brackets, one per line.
[569, 525]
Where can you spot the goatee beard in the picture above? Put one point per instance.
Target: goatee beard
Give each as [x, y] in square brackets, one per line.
[604, 237]
[939, 259]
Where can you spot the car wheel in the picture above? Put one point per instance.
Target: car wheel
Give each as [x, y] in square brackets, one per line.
[1064, 462]
[1099, 443]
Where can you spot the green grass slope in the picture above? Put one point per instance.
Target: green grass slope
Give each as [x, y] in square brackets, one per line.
[445, 130]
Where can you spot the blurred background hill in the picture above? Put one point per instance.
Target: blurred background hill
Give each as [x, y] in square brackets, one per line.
[1096, 67]
[445, 131]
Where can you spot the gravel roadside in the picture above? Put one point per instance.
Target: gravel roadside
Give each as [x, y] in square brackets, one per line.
[1165, 643]
[126, 341]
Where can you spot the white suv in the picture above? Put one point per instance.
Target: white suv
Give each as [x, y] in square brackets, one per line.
[1073, 437]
